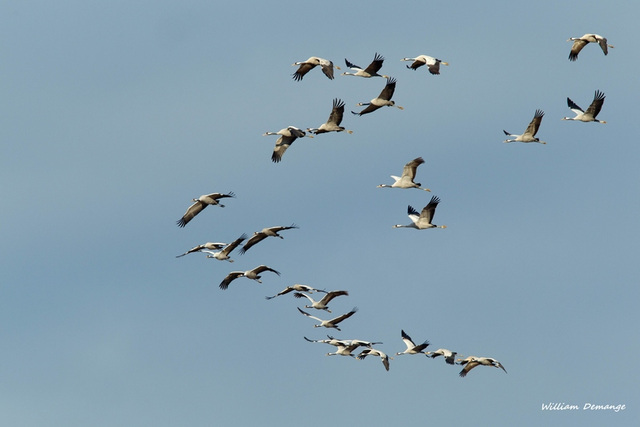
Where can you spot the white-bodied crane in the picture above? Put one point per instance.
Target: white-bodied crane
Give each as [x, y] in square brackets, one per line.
[371, 70]
[321, 304]
[383, 100]
[200, 203]
[253, 274]
[591, 113]
[423, 220]
[223, 255]
[530, 133]
[308, 65]
[287, 136]
[580, 42]
[433, 64]
[331, 323]
[408, 176]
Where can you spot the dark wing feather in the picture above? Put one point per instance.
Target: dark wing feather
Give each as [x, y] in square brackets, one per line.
[288, 227]
[434, 68]
[262, 268]
[421, 346]
[331, 295]
[191, 212]
[281, 146]
[385, 361]
[221, 195]
[405, 336]
[576, 48]
[295, 132]
[375, 65]
[410, 168]
[370, 108]
[231, 246]
[230, 278]
[532, 129]
[469, 366]
[596, 105]
[256, 238]
[350, 64]
[302, 70]
[337, 112]
[573, 106]
[344, 316]
[388, 90]
[603, 45]
[327, 69]
[429, 211]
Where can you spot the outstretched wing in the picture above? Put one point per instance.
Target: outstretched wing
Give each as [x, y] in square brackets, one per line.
[283, 227]
[337, 112]
[416, 64]
[304, 68]
[281, 146]
[230, 278]
[231, 246]
[331, 295]
[191, 212]
[574, 107]
[410, 168]
[351, 64]
[256, 238]
[308, 315]
[575, 50]
[407, 339]
[262, 268]
[388, 90]
[370, 108]
[434, 68]
[375, 65]
[469, 366]
[327, 68]
[217, 196]
[532, 129]
[603, 45]
[339, 319]
[429, 211]
[596, 105]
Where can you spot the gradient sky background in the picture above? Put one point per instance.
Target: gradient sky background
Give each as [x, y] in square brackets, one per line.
[116, 114]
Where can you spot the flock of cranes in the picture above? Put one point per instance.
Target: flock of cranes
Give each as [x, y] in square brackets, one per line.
[289, 134]
[419, 220]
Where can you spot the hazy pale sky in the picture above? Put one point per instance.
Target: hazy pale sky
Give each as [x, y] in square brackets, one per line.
[116, 114]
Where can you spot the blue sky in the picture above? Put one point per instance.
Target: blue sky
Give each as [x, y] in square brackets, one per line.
[117, 114]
